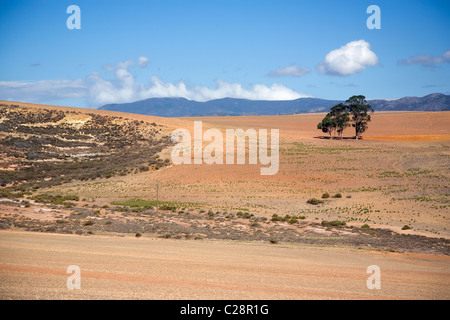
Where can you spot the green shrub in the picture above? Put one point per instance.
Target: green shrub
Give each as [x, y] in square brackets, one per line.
[244, 215]
[168, 207]
[325, 195]
[293, 220]
[334, 223]
[406, 227]
[27, 203]
[314, 201]
[68, 204]
[337, 195]
[275, 217]
[54, 199]
[365, 226]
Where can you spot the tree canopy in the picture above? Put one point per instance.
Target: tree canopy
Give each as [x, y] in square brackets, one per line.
[359, 110]
[328, 125]
[353, 112]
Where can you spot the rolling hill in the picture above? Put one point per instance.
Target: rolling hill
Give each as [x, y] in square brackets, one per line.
[181, 107]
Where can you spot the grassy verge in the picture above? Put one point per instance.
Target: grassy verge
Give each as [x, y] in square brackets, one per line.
[163, 205]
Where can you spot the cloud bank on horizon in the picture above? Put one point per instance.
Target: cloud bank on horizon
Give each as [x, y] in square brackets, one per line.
[98, 91]
[124, 88]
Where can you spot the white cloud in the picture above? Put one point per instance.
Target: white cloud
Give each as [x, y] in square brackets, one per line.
[125, 64]
[349, 59]
[143, 61]
[122, 88]
[125, 89]
[42, 91]
[290, 71]
[446, 56]
[426, 60]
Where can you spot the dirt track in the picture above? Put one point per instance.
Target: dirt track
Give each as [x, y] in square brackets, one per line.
[33, 266]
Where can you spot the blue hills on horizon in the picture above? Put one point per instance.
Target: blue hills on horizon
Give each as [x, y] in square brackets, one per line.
[181, 107]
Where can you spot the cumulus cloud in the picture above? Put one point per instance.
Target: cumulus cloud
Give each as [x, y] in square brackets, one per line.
[125, 89]
[349, 59]
[425, 60]
[289, 71]
[143, 61]
[122, 87]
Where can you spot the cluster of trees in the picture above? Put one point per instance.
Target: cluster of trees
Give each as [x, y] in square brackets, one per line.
[353, 112]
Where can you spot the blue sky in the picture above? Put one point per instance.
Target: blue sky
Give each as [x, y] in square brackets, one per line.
[201, 50]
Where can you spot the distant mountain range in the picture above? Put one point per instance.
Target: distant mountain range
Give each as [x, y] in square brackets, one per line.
[181, 107]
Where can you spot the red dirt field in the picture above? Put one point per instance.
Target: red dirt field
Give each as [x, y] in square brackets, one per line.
[396, 176]
[33, 266]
